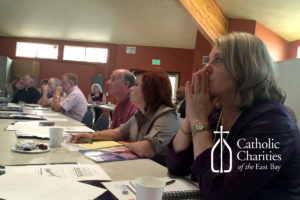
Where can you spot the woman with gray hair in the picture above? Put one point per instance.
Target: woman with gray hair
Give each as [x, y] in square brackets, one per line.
[247, 147]
[97, 97]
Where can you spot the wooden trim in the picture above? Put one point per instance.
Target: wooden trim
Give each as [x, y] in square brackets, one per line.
[210, 19]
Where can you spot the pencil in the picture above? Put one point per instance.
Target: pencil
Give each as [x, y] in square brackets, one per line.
[83, 139]
[170, 182]
[130, 189]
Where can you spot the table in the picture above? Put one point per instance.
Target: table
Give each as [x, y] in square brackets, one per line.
[122, 170]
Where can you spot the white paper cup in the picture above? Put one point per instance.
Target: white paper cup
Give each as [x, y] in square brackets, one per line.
[149, 188]
[21, 104]
[55, 137]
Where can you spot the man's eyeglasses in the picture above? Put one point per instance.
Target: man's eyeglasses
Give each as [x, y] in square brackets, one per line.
[113, 78]
[65, 82]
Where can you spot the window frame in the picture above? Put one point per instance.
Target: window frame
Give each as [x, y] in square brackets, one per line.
[85, 53]
[36, 53]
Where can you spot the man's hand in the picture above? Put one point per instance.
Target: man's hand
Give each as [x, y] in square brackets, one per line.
[45, 88]
[58, 91]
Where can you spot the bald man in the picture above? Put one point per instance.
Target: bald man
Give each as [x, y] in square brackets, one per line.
[118, 86]
[28, 94]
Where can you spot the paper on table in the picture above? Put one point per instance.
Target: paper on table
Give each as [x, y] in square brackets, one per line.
[19, 125]
[70, 146]
[40, 132]
[179, 186]
[76, 129]
[13, 105]
[33, 125]
[56, 119]
[74, 172]
[50, 114]
[15, 186]
[99, 145]
[115, 188]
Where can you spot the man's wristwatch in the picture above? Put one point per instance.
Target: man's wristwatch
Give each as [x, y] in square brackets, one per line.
[199, 127]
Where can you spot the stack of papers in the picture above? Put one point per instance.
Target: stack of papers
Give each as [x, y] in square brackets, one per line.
[33, 129]
[15, 186]
[98, 145]
[20, 115]
[51, 182]
[66, 171]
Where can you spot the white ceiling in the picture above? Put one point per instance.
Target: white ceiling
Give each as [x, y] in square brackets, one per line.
[280, 16]
[138, 22]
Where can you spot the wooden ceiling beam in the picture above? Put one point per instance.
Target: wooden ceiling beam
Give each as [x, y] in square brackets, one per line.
[211, 21]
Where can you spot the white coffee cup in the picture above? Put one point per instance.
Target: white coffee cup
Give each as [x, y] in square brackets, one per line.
[149, 188]
[55, 137]
[22, 104]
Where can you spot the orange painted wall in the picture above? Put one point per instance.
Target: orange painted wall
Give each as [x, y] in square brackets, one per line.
[277, 46]
[202, 48]
[293, 48]
[172, 59]
[242, 25]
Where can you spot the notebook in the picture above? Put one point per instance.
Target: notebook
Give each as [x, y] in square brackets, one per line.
[99, 145]
[181, 189]
[109, 154]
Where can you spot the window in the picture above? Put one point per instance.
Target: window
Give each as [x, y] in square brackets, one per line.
[37, 50]
[298, 52]
[174, 79]
[85, 54]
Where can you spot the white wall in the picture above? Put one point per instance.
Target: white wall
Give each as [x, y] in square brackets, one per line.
[289, 80]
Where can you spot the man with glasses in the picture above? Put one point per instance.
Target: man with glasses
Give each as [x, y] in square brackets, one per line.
[74, 103]
[118, 86]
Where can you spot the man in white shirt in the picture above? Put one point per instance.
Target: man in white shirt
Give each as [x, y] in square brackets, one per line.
[74, 104]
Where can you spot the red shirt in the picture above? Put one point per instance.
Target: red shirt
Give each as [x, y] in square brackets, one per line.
[122, 112]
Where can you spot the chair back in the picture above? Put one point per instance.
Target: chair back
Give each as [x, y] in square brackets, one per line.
[101, 123]
[88, 118]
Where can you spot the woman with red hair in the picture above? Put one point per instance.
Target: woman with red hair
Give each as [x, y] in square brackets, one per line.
[149, 130]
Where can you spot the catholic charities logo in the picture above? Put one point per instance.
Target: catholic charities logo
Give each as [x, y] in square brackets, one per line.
[252, 154]
[222, 143]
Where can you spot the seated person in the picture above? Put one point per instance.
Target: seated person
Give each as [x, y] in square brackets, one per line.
[98, 97]
[11, 88]
[29, 94]
[261, 154]
[48, 91]
[180, 98]
[74, 104]
[119, 84]
[42, 83]
[148, 131]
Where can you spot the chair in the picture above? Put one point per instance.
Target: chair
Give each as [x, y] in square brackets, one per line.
[101, 123]
[88, 118]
